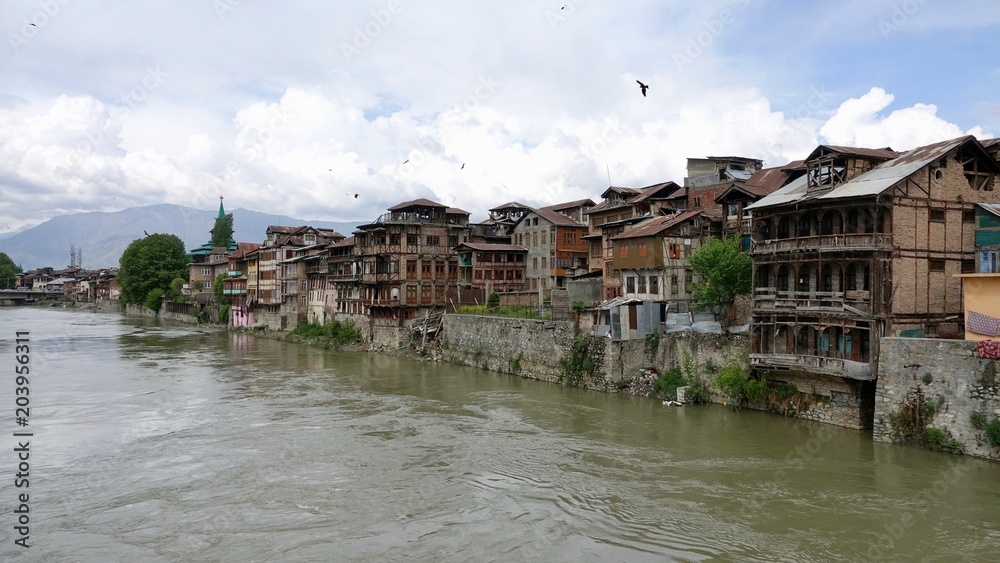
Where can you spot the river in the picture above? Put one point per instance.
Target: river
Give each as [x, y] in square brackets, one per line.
[161, 442]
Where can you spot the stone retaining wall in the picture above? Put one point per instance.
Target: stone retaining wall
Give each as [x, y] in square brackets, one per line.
[950, 376]
[524, 347]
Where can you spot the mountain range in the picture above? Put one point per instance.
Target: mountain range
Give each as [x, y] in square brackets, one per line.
[102, 237]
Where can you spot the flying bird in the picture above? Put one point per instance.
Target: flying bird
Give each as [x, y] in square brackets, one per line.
[463, 166]
[145, 233]
[643, 88]
[355, 195]
[32, 25]
[405, 161]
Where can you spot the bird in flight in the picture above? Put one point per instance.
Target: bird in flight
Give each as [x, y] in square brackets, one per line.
[405, 161]
[145, 233]
[643, 88]
[355, 195]
[463, 166]
[32, 25]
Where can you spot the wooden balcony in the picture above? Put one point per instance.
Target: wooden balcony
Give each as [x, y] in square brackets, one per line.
[819, 365]
[771, 299]
[866, 241]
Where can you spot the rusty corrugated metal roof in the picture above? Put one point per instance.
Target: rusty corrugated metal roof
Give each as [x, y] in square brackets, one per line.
[657, 225]
[421, 202]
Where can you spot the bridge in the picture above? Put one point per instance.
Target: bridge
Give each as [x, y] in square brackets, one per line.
[26, 296]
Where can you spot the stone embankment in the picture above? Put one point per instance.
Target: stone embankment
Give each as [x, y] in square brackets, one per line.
[937, 393]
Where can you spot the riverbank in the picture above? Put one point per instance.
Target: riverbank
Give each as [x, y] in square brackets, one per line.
[688, 367]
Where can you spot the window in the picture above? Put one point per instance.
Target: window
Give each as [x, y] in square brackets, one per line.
[411, 268]
[411, 294]
[479, 274]
[697, 202]
[937, 265]
[630, 284]
[433, 240]
[304, 287]
[534, 263]
[641, 249]
[439, 269]
[425, 269]
[206, 271]
[208, 285]
[654, 284]
[937, 215]
[544, 263]
[969, 215]
[623, 250]
[411, 239]
[394, 238]
[674, 250]
[452, 241]
[734, 209]
[674, 287]
[968, 266]
[642, 284]
[534, 239]
[303, 300]
[989, 261]
[552, 237]
[687, 279]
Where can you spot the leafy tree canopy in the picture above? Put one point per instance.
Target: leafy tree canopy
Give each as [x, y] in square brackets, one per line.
[217, 289]
[151, 263]
[725, 269]
[223, 230]
[8, 272]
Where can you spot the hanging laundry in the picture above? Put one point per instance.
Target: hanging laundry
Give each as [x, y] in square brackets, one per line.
[988, 349]
[982, 324]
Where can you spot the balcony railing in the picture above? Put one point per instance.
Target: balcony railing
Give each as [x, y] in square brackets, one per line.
[844, 242]
[839, 367]
[765, 298]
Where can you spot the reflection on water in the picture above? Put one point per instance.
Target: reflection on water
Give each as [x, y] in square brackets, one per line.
[163, 442]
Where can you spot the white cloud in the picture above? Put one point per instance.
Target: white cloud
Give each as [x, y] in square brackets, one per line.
[261, 106]
[859, 122]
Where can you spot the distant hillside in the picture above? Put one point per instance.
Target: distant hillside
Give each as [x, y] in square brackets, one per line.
[104, 236]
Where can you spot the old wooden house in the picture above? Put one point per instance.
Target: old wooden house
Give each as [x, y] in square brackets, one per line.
[860, 247]
[406, 259]
[620, 209]
[492, 268]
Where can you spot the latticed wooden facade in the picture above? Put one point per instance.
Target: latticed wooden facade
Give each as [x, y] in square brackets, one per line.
[496, 268]
[406, 259]
[864, 246]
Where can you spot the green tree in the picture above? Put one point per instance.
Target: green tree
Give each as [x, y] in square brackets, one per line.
[149, 263]
[222, 232]
[218, 287]
[8, 272]
[726, 272]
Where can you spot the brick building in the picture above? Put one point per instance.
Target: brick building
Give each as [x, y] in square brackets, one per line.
[406, 260]
[862, 246]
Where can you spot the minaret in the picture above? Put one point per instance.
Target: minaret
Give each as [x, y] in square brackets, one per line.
[222, 210]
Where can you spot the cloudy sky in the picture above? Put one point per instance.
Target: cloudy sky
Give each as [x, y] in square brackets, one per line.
[293, 107]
